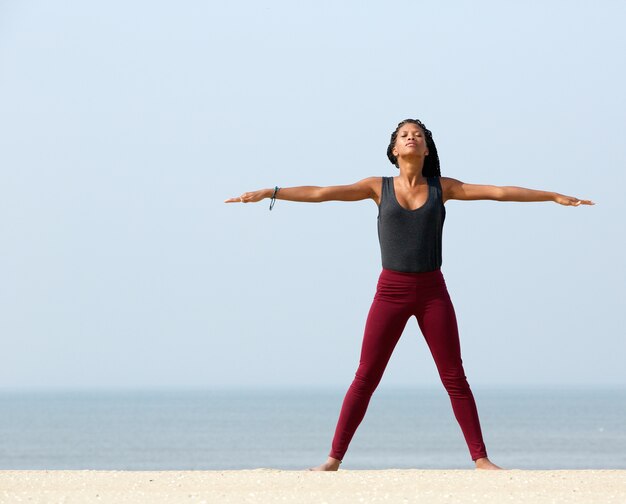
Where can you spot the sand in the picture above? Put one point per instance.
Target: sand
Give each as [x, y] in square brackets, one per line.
[302, 487]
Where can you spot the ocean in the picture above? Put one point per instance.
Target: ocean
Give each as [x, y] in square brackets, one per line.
[293, 429]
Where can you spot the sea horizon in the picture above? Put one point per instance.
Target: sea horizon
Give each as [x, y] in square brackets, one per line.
[157, 428]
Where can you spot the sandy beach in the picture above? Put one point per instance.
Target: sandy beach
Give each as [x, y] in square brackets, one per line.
[345, 486]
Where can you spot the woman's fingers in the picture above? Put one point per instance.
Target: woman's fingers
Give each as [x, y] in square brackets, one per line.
[573, 201]
[238, 199]
[244, 198]
[248, 197]
[577, 202]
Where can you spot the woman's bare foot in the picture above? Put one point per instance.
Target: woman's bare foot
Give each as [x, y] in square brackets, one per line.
[485, 463]
[332, 464]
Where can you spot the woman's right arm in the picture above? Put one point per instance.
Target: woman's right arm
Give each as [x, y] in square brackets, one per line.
[363, 189]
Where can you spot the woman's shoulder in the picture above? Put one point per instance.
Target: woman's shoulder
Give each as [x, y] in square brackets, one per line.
[375, 181]
[375, 185]
[448, 186]
[446, 182]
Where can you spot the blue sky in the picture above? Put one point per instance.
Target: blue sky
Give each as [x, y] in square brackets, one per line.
[124, 126]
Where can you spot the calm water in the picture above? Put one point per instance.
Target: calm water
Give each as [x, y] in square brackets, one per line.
[185, 430]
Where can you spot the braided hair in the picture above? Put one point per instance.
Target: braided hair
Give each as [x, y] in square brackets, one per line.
[431, 162]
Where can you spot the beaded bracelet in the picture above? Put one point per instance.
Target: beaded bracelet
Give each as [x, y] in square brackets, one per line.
[273, 199]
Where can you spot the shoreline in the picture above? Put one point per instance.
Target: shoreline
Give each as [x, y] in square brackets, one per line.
[345, 486]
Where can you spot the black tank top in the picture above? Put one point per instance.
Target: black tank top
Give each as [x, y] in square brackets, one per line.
[410, 240]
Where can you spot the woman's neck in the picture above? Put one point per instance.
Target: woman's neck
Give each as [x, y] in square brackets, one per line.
[411, 171]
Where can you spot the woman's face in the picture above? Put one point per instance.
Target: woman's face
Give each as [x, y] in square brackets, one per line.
[410, 141]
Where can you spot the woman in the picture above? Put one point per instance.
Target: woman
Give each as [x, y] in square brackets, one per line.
[410, 225]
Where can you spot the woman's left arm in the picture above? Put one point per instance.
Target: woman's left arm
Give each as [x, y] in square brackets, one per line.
[455, 189]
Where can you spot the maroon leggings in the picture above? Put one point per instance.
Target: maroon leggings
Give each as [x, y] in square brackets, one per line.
[398, 297]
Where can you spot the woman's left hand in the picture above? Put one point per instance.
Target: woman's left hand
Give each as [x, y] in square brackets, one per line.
[561, 199]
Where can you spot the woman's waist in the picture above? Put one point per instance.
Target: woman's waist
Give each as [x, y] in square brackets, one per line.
[408, 277]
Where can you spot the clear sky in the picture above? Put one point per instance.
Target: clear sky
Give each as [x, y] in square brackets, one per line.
[124, 126]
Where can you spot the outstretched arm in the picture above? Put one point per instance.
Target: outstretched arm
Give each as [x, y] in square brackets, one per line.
[455, 189]
[363, 189]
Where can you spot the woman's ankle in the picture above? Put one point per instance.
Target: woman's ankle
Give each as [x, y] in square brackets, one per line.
[331, 464]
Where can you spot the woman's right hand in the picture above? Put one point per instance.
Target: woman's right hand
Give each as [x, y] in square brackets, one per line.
[251, 197]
